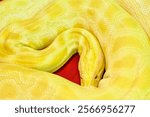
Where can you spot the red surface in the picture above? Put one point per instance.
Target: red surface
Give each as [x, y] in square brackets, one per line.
[70, 70]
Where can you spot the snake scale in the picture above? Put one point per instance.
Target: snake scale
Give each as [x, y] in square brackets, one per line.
[38, 37]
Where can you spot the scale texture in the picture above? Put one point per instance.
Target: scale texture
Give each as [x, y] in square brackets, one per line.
[38, 37]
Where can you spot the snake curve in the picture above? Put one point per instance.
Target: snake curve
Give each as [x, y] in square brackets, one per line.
[37, 38]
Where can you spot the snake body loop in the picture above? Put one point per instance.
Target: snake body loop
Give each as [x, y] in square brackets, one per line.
[35, 44]
[77, 40]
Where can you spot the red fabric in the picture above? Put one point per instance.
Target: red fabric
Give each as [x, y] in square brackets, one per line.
[70, 70]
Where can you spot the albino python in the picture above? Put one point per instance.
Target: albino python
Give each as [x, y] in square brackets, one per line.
[112, 37]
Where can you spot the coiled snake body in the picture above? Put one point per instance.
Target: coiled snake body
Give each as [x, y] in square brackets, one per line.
[38, 37]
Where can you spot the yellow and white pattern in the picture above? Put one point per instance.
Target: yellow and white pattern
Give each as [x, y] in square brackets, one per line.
[37, 37]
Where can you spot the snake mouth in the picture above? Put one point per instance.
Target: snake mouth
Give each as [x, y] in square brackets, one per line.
[70, 70]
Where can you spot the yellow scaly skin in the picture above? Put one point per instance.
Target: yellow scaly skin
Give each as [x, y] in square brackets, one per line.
[140, 9]
[40, 37]
[40, 46]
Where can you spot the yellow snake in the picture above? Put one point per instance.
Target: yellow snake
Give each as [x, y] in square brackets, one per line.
[38, 37]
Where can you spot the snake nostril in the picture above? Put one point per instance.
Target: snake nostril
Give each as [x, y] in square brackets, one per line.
[70, 70]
